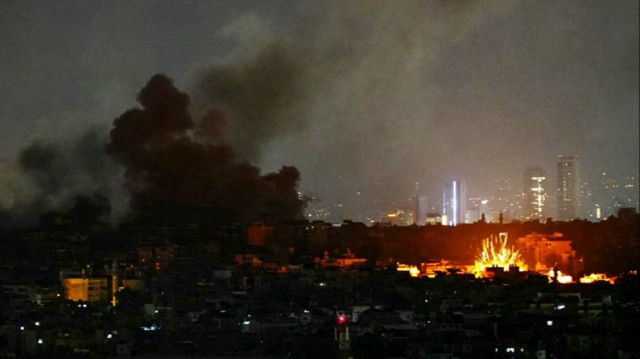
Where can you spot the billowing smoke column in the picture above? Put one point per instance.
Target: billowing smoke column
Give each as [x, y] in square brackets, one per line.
[73, 178]
[170, 173]
[160, 165]
[259, 97]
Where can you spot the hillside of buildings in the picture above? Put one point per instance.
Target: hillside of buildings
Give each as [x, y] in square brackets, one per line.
[273, 289]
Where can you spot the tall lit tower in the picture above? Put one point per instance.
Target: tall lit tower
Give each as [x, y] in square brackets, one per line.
[534, 192]
[567, 187]
[454, 200]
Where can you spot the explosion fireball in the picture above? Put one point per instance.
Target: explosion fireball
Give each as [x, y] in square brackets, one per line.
[496, 253]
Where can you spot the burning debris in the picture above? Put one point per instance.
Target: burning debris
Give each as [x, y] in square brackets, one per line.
[413, 270]
[597, 277]
[557, 276]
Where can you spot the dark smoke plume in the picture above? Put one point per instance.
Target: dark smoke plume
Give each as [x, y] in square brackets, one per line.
[71, 179]
[169, 172]
[256, 97]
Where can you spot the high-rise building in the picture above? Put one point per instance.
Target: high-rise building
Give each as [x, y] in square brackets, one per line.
[420, 210]
[534, 193]
[478, 209]
[454, 200]
[614, 193]
[505, 200]
[567, 187]
[586, 202]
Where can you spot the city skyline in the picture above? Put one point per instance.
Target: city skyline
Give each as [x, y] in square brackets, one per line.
[507, 196]
[363, 98]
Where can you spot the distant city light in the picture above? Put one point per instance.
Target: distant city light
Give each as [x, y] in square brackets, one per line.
[152, 327]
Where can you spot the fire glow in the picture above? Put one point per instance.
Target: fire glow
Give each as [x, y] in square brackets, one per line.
[496, 253]
[413, 270]
[597, 277]
[559, 277]
[497, 256]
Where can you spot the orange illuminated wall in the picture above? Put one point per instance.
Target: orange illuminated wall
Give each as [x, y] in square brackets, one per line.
[133, 284]
[348, 262]
[258, 233]
[86, 289]
[546, 251]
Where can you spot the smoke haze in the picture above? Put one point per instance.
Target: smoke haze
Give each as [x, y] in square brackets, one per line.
[63, 176]
[365, 98]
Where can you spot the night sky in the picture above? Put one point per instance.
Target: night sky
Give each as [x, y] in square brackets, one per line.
[364, 98]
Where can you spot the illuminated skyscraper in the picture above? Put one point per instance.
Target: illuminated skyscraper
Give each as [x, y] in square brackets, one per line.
[454, 200]
[567, 187]
[534, 193]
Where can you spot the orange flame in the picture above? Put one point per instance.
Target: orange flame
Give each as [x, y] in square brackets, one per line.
[559, 276]
[496, 253]
[597, 277]
[413, 270]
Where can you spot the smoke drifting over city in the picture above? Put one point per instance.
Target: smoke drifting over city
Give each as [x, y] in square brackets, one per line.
[167, 173]
[320, 179]
[361, 99]
[257, 97]
[165, 166]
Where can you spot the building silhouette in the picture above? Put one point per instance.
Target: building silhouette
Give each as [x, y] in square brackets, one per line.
[567, 187]
[420, 209]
